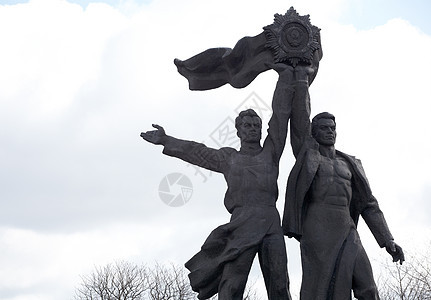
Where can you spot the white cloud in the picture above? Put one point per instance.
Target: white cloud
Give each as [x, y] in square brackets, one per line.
[51, 54]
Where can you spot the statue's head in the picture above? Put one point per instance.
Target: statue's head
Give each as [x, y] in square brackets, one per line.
[323, 129]
[249, 126]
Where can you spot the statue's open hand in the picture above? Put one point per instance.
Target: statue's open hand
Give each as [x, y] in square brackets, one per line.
[154, 136]
[395, 251]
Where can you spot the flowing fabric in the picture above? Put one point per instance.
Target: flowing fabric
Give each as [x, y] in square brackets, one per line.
[247, 229]
[217, 66]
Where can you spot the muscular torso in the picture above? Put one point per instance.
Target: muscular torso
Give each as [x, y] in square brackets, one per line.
[327, 220]
[332, 182]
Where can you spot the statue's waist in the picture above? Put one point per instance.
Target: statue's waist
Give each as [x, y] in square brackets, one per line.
[256, 199]
[341, 198]
[339, 207]
[232, 201]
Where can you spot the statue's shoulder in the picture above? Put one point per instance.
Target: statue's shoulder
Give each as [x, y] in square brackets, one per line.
[349, 157]
[228, 151]
[355, 162]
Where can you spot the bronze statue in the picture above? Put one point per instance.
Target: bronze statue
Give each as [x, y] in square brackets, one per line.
[327, 191]
[223, 264]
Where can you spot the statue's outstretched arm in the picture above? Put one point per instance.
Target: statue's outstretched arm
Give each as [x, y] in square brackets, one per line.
[192, 152]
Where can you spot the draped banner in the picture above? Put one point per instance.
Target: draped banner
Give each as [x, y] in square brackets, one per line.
[217, 66]
[291, 39]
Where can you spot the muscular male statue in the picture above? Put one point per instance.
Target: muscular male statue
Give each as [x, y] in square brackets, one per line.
[327, 191]
[223, 264]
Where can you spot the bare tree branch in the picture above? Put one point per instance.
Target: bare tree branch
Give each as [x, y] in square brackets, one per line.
[410, 281]
[126, 281]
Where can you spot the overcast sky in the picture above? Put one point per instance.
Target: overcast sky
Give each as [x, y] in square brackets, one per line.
[79, 81]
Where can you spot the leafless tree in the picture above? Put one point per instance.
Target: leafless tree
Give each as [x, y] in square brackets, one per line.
[169, 283]
[410, 281]
[126, 281]
[120, 281]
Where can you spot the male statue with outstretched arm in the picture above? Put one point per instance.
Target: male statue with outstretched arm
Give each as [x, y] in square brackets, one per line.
[223, 264]
[327, 191]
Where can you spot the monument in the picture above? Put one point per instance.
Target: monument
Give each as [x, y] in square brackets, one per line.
[327, 189]
[326, 193]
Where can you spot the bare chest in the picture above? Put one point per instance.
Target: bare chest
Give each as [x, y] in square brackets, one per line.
[335, 169]
[332, 182]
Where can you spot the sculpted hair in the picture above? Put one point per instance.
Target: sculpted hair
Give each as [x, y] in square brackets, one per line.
[323, 115]
[246, 113]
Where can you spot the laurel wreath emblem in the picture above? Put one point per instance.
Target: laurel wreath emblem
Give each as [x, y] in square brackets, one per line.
[292, 38]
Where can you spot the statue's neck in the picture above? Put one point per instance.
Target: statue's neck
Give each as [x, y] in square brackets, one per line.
[328, 151]
[250, 148]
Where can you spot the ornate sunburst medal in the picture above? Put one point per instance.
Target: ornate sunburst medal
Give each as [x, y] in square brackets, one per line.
[292, 38]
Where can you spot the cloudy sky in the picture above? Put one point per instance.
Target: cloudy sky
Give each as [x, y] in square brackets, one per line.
[79, 80]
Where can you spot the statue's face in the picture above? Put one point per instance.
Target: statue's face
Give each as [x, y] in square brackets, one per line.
[325, 133]
[250, 129]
